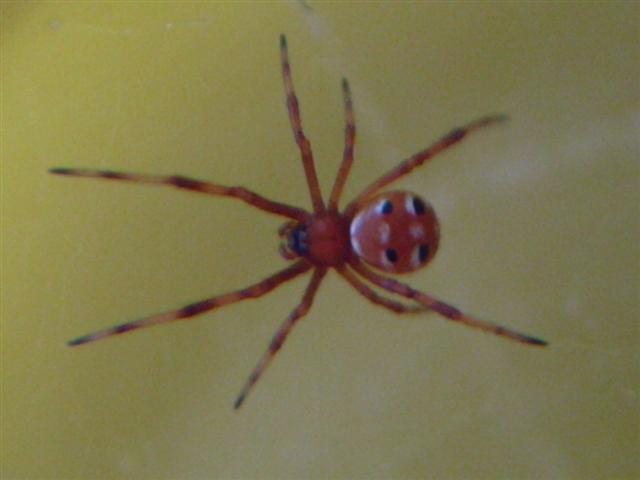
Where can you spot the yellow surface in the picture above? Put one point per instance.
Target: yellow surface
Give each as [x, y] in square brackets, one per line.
[539, 221]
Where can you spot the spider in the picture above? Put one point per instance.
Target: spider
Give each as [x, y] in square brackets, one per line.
[394, 232]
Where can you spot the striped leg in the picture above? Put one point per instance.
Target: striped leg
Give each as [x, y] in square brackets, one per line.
[298, 134]
[374, 297]
[185, 183]
[442, 308]
[193, 309]
[349, 142]
[281, 335]
[405, 167]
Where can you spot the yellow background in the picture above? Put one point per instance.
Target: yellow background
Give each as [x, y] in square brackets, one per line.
[539, 223]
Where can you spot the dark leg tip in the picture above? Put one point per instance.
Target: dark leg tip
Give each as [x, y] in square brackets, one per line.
[238, 403]
[59, 171]
[77, 341]
[536, 341]
[283, 41]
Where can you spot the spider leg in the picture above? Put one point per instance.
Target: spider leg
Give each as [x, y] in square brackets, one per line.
[349, 142]
[442, 308]
[405, 167]
[298, 134]
[281, 335]
[374, 297]
[193, 309]
[185, 183]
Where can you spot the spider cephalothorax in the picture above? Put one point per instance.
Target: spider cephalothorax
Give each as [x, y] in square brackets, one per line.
[394, 232]
[322, 240]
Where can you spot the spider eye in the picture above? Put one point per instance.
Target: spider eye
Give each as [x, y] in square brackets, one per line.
[418, 206]
[385, 207]
[391, 254]
[423, 252]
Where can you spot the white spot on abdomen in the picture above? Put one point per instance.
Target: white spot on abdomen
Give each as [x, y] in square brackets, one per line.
[415, 258]
[385, 261]
[417, 231]
[384, 230]
[355, 225]
[408, 205]
[355, 244]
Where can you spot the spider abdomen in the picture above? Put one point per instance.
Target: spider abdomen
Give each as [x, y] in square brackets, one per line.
[396, 232]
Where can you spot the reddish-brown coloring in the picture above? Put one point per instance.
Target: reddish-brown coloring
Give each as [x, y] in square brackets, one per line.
[395, 232]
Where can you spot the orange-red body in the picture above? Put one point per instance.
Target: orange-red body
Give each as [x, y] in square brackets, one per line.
[396, 232]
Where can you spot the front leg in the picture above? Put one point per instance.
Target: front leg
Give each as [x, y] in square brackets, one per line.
[407, 166]
[185, 183]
